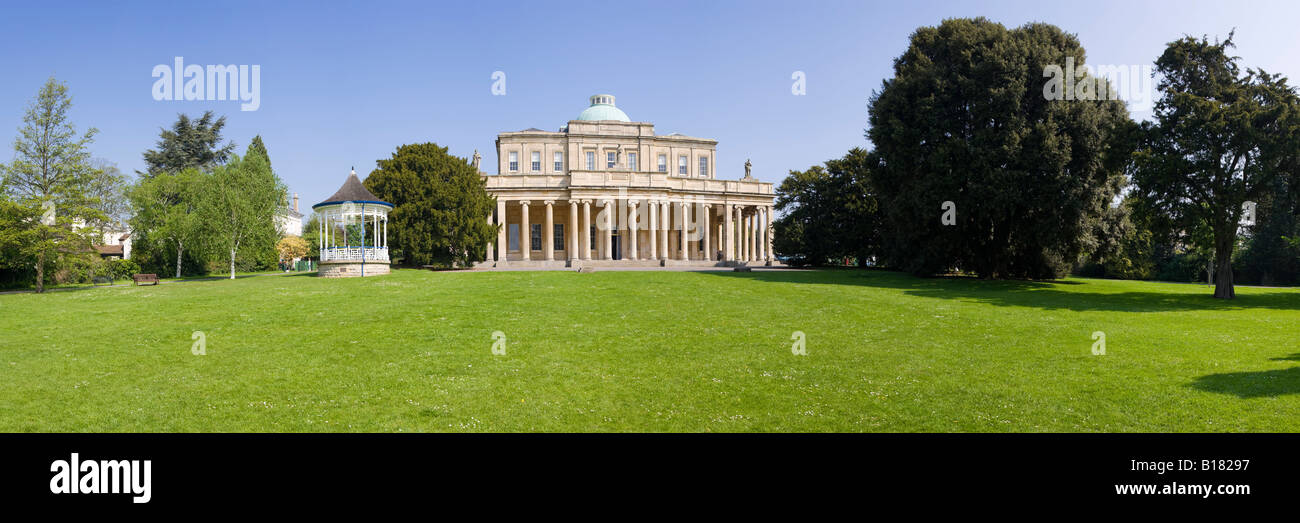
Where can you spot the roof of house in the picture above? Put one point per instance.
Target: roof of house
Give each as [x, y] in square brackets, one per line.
[109, 250]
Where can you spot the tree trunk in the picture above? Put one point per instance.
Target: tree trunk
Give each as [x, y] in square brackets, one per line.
[232, 264]
[1223, 261]
[40, 272]
[180, 249]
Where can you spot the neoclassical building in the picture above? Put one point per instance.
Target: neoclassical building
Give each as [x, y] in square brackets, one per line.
[607, 191]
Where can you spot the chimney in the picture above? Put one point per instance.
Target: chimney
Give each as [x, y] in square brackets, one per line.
[295, 202]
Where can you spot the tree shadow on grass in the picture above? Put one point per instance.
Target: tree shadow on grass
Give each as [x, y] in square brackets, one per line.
[1057, 295]
[1257, 384]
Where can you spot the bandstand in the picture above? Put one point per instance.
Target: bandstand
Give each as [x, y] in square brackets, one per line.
[353, 232]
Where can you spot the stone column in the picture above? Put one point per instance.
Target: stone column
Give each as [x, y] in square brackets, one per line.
[586, 230]
[666, 224]
[525, 232]
[683, 241]
[652, 228]
[704, 226]
[728, 236]
[572, 244]
[768, 236]
[608, 224]
[548, 232]
[503, 244]
[632, 229]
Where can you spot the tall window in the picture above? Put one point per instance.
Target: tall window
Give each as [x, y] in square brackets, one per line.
[591, 238]
[514, 161]
[663, 163]
[537, 161]
[559, 162]
[631, 161]
[535, 238]
[609, 160]
[704, 166]
[557, 237]
[514, 237]
[681, 165]
[591, 160]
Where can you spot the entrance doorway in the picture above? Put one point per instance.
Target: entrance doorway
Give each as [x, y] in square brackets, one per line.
[616, 245]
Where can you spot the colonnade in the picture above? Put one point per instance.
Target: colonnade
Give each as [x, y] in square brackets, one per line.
[642, 230]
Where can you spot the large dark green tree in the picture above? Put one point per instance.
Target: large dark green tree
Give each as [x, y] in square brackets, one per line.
[441, 206]
[828, 212]
[189, 144]
[1221, 137]
[965, 119]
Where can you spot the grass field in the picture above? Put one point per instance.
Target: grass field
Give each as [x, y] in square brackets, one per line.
[649, 351]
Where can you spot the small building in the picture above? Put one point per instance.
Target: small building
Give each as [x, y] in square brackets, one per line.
[353, 232]
[114, 243]
[290, 223]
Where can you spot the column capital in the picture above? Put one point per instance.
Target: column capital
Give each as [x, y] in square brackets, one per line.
[524, 203]
[548, 202]
[633, 203]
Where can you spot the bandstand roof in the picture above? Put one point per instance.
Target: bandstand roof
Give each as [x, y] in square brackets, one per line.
[352, 191]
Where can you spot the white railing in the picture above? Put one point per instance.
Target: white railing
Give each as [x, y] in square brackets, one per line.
[378, 254]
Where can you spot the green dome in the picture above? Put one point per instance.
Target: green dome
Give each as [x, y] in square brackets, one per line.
[602, 108]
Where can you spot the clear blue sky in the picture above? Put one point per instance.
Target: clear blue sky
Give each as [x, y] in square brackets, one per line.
[345, 83]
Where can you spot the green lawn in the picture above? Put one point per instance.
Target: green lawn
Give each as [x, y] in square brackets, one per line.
[649, 351]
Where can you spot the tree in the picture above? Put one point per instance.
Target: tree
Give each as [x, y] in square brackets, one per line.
[167, 208]
[828, 212]
[311, 234]
[107, 190]
[441, 206]
[1220, 137]
[239, 206]
[189, 144]
[50, 178]
[260, 148]
[291, 248]
[966, 133]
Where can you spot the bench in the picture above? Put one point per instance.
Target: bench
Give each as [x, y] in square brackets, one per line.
[145, 278]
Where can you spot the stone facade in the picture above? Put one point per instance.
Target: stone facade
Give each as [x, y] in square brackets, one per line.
[634, 197]
[352, 269]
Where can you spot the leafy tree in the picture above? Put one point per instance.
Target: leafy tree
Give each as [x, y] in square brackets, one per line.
[189, 144]
[1267, 257]
[49, 180]
[107, 191]
[1220, 137]
[965, 119]
[311, 233]
[240, 203]
[828, 212]
[441, 206]
[167, 209]
[291, 248]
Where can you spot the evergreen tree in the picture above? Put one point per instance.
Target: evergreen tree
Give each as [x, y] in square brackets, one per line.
[966, 119]
[189, 144]
[441, 206]
[1220, 137]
